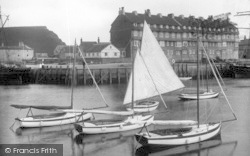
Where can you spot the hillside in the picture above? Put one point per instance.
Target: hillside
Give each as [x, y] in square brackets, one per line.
[39, 38]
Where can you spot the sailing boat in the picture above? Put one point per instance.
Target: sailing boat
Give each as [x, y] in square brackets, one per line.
[152, 75]
[186, 135]
[52, 119]
[208, 94]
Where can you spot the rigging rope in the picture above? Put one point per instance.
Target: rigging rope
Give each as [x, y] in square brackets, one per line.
[218, 80]
[92, 77]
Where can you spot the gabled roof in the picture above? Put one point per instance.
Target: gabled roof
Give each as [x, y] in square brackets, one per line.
[153, 19]
[98, 47]
[86, 45]
[172, 20]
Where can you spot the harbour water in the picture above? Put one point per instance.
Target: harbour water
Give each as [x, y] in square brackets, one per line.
[235, 137]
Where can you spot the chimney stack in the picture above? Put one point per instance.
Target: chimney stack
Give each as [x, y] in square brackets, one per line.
[147, 12]
[135, 13]
[81, 41]
[171, 15]
[160, 15]
[181, 16]
[121, 11]
[98, 40]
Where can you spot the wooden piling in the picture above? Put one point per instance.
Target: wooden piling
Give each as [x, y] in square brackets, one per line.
[118, 76]
[110, 76]
[101, 77]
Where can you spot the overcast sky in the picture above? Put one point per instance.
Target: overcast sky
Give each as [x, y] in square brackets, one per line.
[90, 19]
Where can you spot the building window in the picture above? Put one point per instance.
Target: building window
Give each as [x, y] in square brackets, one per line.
[178, 44]
[161, 34]
[184, 52]
[155, 34]
[167, 27]
[185, 43]
[115, 54]
[140, 33]
[167, 43]
[141, 25]
[162, 43]
[166, 35]
[172, 35]
[135, 24]
[177, 53]
[184, 27]
[136, 43]
[178, 35]
[106, 54]
[184, 35]
[161, 26]
[135, 33]
[173, 27]
[178, 28]
[224, 44]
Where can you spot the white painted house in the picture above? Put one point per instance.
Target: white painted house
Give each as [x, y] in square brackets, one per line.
[16, 53]
[103, 50]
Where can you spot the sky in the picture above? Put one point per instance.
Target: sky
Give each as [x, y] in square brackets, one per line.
[90, 19]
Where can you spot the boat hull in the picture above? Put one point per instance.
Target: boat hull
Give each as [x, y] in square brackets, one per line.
[144, 106]
[206, 95]
[61, 119]
[125, 125]
[185, 78]
[204, 132]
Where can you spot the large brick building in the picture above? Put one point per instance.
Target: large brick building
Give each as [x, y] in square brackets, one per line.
[176, 34]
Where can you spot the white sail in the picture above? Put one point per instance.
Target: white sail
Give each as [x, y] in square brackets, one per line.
[153, 73]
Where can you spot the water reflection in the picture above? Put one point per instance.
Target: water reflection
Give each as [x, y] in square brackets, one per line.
[202, 148]
[120, 144]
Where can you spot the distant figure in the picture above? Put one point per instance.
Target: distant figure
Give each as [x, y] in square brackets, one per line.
[83, 64]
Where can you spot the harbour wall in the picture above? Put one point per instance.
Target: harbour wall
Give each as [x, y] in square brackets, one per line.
[112, 74]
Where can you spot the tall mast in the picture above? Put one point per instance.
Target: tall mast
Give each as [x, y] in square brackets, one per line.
[133, 77]
[73, 76]
[206, 75]
[198, 81]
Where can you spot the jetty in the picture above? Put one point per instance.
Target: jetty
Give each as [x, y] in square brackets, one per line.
[109, 73]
